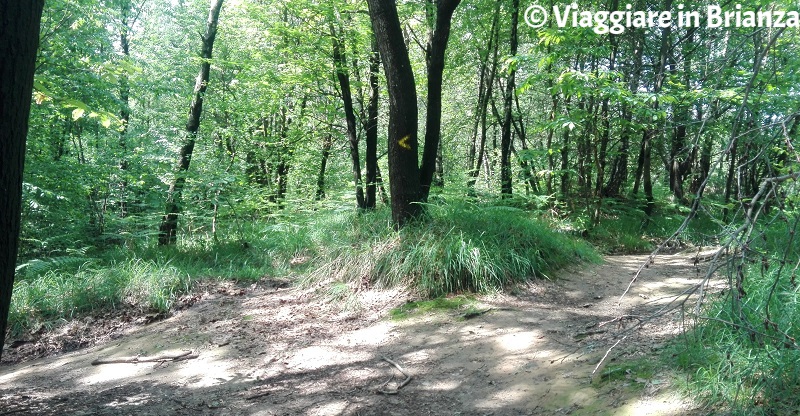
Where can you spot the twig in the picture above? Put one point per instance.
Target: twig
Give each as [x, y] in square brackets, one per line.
[402, 383]
[602, 360]
[185, 355]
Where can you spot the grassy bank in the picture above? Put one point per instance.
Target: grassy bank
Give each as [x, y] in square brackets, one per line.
[458, 247]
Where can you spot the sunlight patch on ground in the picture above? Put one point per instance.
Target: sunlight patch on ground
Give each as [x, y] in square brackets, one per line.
[503, 396]
[373, 335]
[205, 374]
[118, 371]
[443, 385]
[518, 341]
[316, 357]
[665, 404]
[337, 407]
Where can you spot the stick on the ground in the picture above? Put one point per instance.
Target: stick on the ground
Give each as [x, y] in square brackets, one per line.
[402, 383]
[476, 313]
[602, 360]
[184, 355]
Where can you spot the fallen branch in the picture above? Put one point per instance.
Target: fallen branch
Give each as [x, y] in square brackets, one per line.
[402, 383]
[257, 395]
[475, 313]
[601, 364]
[184, 355]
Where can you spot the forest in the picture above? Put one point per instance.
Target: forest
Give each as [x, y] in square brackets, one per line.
[447, 147]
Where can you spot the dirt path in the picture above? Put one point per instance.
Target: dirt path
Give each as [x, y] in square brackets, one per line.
[277, 351]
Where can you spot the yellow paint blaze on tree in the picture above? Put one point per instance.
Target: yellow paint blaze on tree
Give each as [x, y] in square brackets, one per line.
[404, 142]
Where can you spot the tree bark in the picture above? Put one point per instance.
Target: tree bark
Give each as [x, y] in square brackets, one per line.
[327, 142]
[434, 56]
[340, 65]
[19, 40]
[403, 144]
[124, 110]
[485, 86]
[371, 128]
[505, 139]
[167, 232]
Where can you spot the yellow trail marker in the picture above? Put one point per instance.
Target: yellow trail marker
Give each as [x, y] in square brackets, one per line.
[404, 142]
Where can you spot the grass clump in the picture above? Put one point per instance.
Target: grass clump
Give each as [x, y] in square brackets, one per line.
[420, 307]
[459, 247]
[52, 295]
[639, 371]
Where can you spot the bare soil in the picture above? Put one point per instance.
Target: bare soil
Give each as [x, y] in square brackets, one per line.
[270, 349]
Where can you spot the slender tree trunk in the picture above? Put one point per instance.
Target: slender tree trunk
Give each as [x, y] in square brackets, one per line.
[124, 111]
[327, 142]
[505, 140]
[167, 232]
[434, 55]
[527, 166]
[340, 65]
[404, 173]
[19, 40]
[371, 128]
[605, 136]
[485, 86]
[649, 135]
[619, 171]
[564, 152]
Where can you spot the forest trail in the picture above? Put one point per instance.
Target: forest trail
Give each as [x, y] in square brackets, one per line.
[272, 350]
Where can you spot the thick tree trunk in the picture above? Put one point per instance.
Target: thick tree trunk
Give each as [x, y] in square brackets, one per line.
[340, 65]
[505, 139]
[404, 176]
[434, 55]
[167, 232]
[19, 39]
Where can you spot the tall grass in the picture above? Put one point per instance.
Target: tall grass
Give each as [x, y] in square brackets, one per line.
[459, 247]
[135, 283]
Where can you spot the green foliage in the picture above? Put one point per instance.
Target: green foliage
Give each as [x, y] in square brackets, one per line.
[459, 247]
[743, 355]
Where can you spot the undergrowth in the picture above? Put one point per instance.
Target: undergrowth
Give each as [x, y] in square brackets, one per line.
[459, 247]
[742, 356]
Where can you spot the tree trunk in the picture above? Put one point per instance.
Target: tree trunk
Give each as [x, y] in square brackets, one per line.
[327, 142]
[434, 56]
[404, 174]
[505, 139]
[371, 127]
[340, 65]
[660, 75]
[619, 171]
[167, 232]
[485, 86]
[124, 111]
[19, 39]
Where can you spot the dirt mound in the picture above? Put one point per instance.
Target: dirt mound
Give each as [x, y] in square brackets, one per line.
[271, 350]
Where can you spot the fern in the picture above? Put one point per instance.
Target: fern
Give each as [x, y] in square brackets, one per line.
[37, 267]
